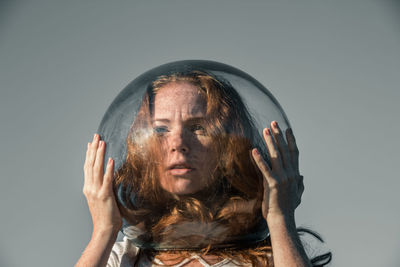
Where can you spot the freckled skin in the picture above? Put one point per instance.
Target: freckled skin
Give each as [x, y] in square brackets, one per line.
[184, 139]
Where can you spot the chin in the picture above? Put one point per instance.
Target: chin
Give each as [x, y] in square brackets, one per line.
[182, 186]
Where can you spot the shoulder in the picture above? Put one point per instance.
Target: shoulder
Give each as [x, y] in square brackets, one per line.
[123, 254]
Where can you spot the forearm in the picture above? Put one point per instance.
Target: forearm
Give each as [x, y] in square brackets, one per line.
[98, 250]
[287, 248]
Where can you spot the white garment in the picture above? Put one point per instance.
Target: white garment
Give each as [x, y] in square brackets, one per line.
[124, 254]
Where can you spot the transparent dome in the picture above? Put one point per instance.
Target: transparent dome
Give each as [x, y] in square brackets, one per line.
[181, 135]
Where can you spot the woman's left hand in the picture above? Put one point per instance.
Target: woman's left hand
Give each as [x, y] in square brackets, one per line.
[283, 184]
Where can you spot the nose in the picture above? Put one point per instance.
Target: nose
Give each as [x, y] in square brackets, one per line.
[178, 142]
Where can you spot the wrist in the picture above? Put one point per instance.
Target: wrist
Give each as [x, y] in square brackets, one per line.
[281, 220]
[105, 232]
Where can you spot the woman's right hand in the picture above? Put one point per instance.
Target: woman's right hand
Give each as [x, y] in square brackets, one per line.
[98, 188]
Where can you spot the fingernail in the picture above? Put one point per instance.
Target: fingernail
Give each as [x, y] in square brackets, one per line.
[94, 136]
[275, 123]
[101, 143]
[267, 131]
[109, 161]
[256, 151]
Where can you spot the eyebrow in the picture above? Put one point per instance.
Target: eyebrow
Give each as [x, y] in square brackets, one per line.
[192, 119]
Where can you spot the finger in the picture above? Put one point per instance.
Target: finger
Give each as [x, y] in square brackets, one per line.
[93, 151]
[273, 152]
[87, 153]
[300, 185]
[282, 146]
[98, 168]
[85, 165]
[300, 189]
[109, 175]
[90, 157]
[293, 150]
[262, 165]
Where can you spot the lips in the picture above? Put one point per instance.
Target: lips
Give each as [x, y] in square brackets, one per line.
[179, 165]
[179, 168]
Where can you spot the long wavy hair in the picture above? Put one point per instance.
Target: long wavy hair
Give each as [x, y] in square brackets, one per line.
[227, 210]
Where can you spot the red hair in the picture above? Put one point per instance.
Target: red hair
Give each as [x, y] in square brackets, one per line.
[229, 207]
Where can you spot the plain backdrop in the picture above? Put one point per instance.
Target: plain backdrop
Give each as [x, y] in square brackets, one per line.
[334, 66]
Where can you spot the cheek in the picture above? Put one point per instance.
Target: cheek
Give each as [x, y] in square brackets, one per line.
[202, 146]
[163, 180]
[209, 155]
[162, 150]
[206, 143]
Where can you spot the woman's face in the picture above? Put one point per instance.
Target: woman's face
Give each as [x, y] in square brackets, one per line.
[188, 158]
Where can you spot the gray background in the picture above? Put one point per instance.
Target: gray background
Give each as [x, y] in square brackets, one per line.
[333, 66]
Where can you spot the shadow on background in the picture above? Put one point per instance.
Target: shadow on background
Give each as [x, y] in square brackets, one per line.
[7, 9]
[393, 6]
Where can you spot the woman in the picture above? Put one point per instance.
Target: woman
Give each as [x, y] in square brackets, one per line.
[188, 163]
